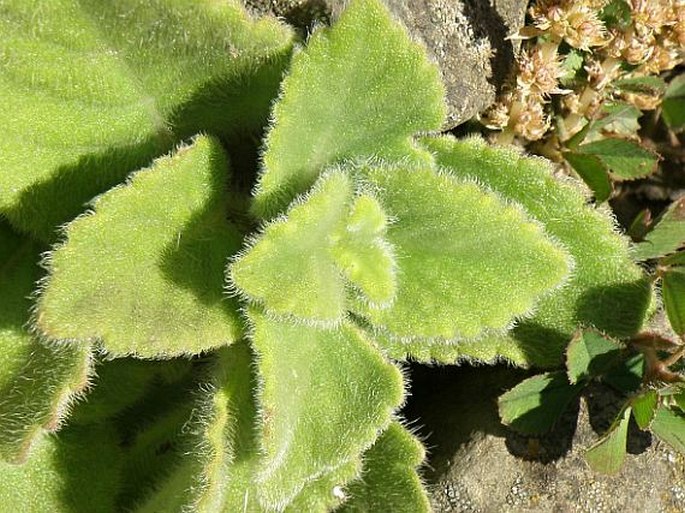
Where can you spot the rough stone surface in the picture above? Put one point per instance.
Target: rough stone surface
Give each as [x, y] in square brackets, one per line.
[466, 38]
[479, 466]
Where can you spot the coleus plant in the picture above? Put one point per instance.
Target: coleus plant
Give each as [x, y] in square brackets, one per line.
[211, 338]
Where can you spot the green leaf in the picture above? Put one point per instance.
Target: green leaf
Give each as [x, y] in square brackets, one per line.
[620, 118]
[325, 237]
[606, 289]
[625, 159]
[593, 172]
[673, 104]
[668, 234]
[325, 395]
[534, 405]
[608, 454]
[669, 426]
[572, 63]
[651, 85]
[389, 481]
[143, 272]
[616, 13]
[99, 89]
[675, 259]
[627, 377]
[460, 251]
[38, 381]
[673, 292]
[346, 96]
[590, 355]
[644, 408]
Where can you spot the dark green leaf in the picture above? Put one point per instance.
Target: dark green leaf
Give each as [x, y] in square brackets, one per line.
[627, 377]
[669, 426]
[676, 259]
[650, 85]
[535, 404]
[590, 355]
[607, 455]
[668, 234]
[644, 407]
[593, 172]
[616, 14]
[673, 105]
[627, 160]
[673, 291]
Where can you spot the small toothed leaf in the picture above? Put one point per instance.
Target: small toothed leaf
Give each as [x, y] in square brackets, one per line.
[673, 292]
[37, 380]
[668, 234]
[593, 172]
[644, 408]
[143, 272]
[608, 454]
[625, 159]
[669, 426]
[389, 481]
[534, 405]
[460, 250]
[345, 96]
[306, 373]
[589, 355]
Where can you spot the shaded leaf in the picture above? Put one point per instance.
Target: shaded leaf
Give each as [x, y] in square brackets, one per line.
[389, 481]
[143, 272]
[673, 104]
[534, 405]
[616, 13]
[644, 408]
[669, 426]
[673, 293]
[627, 377]
[593, 172]
[346, 96]
[460, 251]
[590, 355]
[608, 454]
[625, 159]
[37, 380]
[668, 234]
[99, 89]
[651, 85]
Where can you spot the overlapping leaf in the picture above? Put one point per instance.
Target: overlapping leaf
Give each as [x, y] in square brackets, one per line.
[298, 264]
[460, 251]
[346, 95]
[93, 90]
[667, 236]
[606, 289]
[144, 271]
[37, 380]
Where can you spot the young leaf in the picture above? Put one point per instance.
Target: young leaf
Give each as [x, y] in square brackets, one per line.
[534, 405]
[460, 251]
[644, 408]
[607, 455]
[99, 89]
[590, 355]
[311, 374]
[669, 426]
[389, 481]
[143, 272]
[346, 95]
[606, 289]
[325, 237]
[593, 172]
[626, 160]
[673, 104]
[37, 380]
[673, 292]
[667, 236]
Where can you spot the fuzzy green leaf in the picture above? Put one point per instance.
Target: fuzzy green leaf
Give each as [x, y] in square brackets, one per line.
[673, 104]
[325, 396]
[460, 251]
[590, 355]
[606, 289]
[668, 234]
[535, 404]
[346, 96]
[644, 408]
[143, 272]
[37, 380]
[299, 263]
[673, 292]
[669, 426]
[389, 481]
[608, 454]
[625, 159]
[94, 90]
[593, 172]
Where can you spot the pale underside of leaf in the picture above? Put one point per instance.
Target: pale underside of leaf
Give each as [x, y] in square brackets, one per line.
[608, 454]
[460, 250]
[669, 426]
[606, 289]
[94, 90]
[37, 380]
[143, 272]
[346, 96]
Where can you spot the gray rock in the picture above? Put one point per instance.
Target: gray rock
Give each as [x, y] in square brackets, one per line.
[466, 38]
[479, 466]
